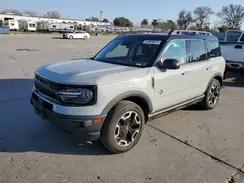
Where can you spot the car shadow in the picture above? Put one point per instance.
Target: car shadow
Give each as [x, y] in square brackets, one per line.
[21, 130]
[60, 37]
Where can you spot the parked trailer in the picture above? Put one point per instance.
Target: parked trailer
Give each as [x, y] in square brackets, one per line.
[31, 26]
[43, 26]
[4, 30]
[61, 27]
[13, 25]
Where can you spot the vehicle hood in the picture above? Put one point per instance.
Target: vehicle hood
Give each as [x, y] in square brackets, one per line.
[88, 72]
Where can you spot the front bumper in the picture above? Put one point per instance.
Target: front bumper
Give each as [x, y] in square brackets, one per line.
[230, 65]
[86, 127]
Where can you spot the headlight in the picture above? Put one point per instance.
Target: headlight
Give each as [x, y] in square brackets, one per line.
[77, 96]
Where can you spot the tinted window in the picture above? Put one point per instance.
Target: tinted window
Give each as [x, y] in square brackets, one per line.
[213, 49]
[176, 49]
[242, 38]
[196, 51]
[220, 36]
[233, 36]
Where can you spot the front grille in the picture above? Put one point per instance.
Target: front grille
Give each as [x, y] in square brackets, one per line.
[48, 88]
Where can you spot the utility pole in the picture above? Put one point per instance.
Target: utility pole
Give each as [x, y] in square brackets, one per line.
[101, 16]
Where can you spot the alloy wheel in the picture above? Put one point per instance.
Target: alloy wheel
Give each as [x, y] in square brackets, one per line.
[127, 129]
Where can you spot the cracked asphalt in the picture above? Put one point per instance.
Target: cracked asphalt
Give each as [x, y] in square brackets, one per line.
[186, 146]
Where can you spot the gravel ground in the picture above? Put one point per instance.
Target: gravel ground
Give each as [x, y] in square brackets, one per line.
[186, 146]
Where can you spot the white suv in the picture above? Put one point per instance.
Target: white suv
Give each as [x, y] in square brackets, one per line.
[131, 80]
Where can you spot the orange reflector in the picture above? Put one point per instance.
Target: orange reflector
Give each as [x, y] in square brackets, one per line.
[98, 120]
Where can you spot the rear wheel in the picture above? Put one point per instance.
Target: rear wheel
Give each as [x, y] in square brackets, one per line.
[123, 127]
[212, 95]
[71, 37]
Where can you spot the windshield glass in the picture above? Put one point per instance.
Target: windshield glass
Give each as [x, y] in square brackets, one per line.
[130, 51]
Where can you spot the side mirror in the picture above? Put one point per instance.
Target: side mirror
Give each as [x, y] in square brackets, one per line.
[169, 64]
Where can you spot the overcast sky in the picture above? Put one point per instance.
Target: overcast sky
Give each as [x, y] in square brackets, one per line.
[132, 9]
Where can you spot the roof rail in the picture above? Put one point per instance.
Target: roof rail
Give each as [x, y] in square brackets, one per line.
[189, 32]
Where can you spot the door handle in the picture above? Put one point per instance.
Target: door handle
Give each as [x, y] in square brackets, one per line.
[238, 47]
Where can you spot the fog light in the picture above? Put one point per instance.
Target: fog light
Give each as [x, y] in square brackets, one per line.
[87, 123]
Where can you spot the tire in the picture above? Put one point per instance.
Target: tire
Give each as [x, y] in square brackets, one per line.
[120, 133]
[85, 37]
[71, 37]
[212, 95]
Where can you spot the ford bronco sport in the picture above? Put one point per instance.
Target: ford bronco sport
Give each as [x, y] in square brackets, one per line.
[131, 80]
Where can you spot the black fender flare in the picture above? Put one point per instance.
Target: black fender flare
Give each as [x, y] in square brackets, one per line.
[125, 95]
[214, 76]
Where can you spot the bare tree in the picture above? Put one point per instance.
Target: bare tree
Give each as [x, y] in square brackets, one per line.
[201, 16]
[184, 19]
[29, 12]
[232, 16]
[14, 11]
[52, 14]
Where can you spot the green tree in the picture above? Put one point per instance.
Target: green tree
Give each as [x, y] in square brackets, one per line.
[94, 19]
[168, 25]
[122, 22]
[155, 23]
[232, 16]
[105, 20]
[223, 28]
[144, 22]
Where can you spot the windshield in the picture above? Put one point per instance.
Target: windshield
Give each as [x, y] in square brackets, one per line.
[130, 51]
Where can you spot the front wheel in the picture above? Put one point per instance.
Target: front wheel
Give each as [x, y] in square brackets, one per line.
[212, 95]
[71, 37]
[123, 127]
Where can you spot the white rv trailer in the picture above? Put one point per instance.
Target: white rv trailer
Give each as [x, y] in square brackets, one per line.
[31, 26]
[13, 25]
[24, 17]
[61, 27]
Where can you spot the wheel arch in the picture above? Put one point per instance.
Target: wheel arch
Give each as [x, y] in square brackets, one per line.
[217, 76]
[138, 97]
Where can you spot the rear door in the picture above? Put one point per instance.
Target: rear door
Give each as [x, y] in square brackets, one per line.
[198, 66]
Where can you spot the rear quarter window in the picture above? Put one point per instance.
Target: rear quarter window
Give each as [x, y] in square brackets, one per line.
[213, 49]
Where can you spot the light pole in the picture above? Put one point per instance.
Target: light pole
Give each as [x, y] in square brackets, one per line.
[101, 16]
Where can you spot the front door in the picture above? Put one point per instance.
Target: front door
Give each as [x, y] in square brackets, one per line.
[172, 87]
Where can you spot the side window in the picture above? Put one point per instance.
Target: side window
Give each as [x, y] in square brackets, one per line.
[233, 36]
[176, 49]
[196, 50]
[213, 49]
[242, 38]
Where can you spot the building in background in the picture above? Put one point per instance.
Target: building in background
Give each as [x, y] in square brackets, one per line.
[31, 22]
